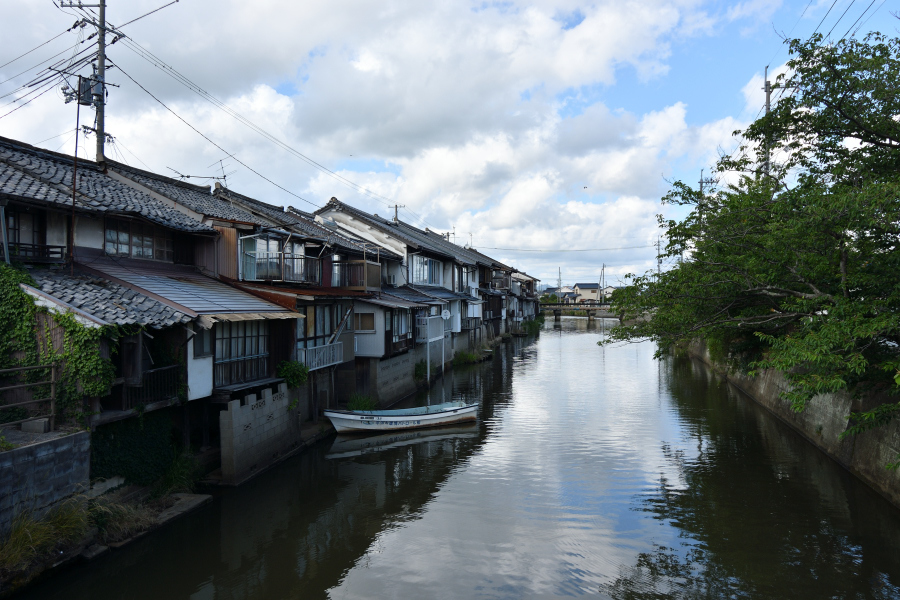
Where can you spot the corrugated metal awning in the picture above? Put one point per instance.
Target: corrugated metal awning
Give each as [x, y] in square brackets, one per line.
[391, 302]
[207, 321]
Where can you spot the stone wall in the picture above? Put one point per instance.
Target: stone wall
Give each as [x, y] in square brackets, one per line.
[822, 422]
[256, 432]
[33, 478]
[394, 378]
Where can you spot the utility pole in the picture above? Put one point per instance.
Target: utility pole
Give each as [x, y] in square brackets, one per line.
[396, 208]
[767, 88]
[658, 259]
[100, 99]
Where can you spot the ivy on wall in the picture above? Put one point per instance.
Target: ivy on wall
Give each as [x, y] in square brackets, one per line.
[83, 371]
[141, 450]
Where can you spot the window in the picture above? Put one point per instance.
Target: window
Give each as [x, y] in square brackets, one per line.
[364, 321]
[138, 240]
[320, 323]
[241, 352]
[426, 271]
[25, 228]
[203, 343]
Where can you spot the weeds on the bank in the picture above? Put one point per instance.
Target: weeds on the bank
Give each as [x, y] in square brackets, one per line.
[466, 358]
[29, 538]
[181, 476]
[361, 402]
[118, 521]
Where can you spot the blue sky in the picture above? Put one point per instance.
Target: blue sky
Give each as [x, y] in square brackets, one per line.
[531, 125]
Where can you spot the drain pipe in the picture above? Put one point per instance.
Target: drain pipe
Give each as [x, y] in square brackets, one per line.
[3, 201]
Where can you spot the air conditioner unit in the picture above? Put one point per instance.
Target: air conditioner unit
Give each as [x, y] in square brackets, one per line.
[392, 279]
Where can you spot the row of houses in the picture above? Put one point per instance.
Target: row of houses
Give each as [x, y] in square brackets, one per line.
[580, 293]
[211, 290]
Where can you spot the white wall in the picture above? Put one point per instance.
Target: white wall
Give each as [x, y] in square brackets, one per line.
[57, 229]
[199, 374]
[370, 344]
[88, 232]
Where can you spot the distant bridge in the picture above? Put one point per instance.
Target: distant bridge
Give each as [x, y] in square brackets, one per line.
[594, 311]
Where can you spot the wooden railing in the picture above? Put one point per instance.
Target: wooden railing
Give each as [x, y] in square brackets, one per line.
[280, 266]
[469, 323]
[404, 343]
[21, 390]
[36, 252]
[320, 357]
[241, 370]
[156, 384]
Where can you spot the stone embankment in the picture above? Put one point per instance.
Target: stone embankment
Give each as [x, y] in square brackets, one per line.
[822, 422]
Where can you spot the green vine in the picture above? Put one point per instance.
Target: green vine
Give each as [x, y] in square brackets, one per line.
[82, 371]
[294, 373]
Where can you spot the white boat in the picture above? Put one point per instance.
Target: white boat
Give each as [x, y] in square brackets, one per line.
[349, 445]
[367, 421]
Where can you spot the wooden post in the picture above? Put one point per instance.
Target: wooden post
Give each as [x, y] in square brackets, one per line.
[52, 396]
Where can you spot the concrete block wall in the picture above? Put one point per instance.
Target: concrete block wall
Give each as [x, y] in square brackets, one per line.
[256, 432]
[34, 478]
[822, 422]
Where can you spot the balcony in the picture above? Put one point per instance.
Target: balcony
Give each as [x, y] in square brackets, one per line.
[321, 356]
[35, 252]
[470, 323]
[429, 329]
[280, 266]
[500, 282]
[156, 384]
[359, 275]
[402, 344]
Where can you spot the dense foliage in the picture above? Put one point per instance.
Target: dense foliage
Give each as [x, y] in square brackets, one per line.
[792, 261]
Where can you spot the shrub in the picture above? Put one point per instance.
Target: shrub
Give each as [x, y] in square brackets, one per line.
[361, 402]
[466, 358]
[420, 371]
[181, 476]
[294, 373]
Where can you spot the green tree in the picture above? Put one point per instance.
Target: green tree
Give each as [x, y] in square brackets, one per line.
[792, 262]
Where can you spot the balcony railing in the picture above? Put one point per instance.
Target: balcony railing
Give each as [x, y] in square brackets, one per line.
[321, 356]
[500, 282]
[361, 275]
[280, 266]
[401, 345]
[35, 252]
[233, 371]
[429, 329]
[156, 384]
[469, 323]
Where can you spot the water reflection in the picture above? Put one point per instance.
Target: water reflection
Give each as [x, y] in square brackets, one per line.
[591, 470]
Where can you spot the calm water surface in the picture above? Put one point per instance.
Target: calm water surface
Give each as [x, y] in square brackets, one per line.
[592, 471]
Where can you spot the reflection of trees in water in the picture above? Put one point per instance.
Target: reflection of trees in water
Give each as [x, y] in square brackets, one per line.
[765, 514]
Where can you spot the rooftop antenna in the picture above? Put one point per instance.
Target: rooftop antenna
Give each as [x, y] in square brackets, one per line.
[454, 234]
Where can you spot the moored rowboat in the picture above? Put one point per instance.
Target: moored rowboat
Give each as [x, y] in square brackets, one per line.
[361, 421]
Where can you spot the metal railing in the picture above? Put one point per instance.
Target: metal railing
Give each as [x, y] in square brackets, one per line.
[21, 390]
[429, 329]
[362, 275]
[280, 266]
[35, 252]
[320, 357]
[241, 370]
[469, 323]
[156, 384]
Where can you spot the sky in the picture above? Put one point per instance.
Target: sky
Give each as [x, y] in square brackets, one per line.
[543, 133]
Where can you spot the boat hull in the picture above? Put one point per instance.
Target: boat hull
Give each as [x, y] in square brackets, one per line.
[346, 421]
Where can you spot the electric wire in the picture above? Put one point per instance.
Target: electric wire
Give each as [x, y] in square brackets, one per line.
[553, 251]
[55, 136]
[147, 14]
[38, 46]
[27, 103]
[849, 6]
[169, 70]
[204, 136]
[858, 18]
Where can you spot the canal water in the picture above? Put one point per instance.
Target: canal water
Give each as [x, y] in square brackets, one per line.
[596, 472]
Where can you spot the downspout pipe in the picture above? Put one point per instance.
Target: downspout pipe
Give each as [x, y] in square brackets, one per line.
[3, 202]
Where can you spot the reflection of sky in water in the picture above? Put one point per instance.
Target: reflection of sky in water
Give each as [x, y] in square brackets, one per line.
[591, 471]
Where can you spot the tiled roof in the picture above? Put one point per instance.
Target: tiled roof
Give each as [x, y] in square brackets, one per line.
[106, 300]
[275, 213]
[587, 286]
[197, 198]
[33, 174]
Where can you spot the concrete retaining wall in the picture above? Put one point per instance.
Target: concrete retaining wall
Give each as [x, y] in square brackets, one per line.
[822, 422]
[36, 477]
[256, 432]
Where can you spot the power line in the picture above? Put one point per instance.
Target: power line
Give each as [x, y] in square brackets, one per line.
[169, 70]
[858, 18]
[148, 14]
[567, 250]
[163, 104]
[40, 45]
[823, 18]
[872, 14]
[852, 2]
